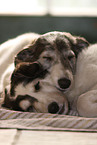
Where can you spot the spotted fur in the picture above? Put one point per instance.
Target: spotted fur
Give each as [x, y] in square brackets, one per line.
[43, 70]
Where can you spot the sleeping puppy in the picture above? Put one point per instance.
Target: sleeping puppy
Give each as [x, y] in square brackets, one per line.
[31, 92]
[43, 71]
[83, 93]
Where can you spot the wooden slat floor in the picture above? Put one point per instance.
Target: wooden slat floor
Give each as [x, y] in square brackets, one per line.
[25, 137]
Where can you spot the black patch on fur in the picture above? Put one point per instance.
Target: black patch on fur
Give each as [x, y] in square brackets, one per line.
[26, 73]
[62, 44]
[14, 104]
[20, 98]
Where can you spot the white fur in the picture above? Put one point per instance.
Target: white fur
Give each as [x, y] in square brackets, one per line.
[84, 91]
[8, 50]
[24, 104]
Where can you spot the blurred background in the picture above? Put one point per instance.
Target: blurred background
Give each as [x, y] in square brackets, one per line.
[78, 17]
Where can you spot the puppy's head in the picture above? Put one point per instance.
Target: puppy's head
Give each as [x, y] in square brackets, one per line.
[57, 53]
[30, 92]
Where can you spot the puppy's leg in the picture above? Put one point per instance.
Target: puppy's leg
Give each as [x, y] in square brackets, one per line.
[87, 104]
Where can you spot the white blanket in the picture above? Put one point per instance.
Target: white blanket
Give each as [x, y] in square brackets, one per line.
[8, 50]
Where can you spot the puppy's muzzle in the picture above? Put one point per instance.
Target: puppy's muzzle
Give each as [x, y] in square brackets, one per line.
[64, 83]
[53, 107]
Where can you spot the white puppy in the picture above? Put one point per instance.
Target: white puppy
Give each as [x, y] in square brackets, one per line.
[83, 94]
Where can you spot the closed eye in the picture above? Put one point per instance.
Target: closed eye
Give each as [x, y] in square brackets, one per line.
[37, 86]
[47, 58]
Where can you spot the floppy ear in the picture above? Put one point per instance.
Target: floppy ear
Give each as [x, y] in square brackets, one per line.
[30, 53]
[25, 55]
[24, 73]
[27, 69]
[81, 43]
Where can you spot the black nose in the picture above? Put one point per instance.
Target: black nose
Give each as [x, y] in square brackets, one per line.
[64, 83]
[53, 108]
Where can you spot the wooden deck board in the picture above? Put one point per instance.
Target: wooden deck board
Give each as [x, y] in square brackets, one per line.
[7, 136]
[25, 137]
[56, 138]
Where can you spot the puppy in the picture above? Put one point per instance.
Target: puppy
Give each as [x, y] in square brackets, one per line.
[83, 93]
[31, 92]
[43, 71]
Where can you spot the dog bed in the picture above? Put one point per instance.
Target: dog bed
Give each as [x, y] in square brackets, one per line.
[45, 121]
